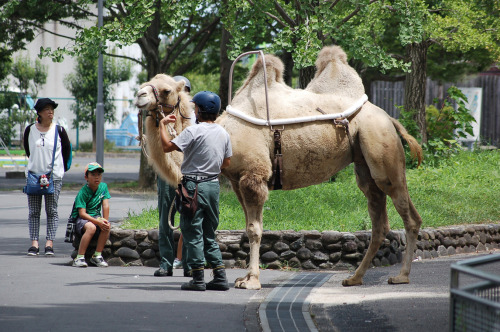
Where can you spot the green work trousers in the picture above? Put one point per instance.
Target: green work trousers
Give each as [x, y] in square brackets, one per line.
[166, 194]
[199, 231]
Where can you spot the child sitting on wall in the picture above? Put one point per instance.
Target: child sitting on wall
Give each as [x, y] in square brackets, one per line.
[87, 211]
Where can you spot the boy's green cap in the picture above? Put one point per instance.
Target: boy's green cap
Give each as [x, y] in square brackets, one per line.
[92, 167]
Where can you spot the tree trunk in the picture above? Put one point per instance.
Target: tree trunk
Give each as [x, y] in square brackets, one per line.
[415, 85]
[149, 44]
[288, 62]
[225, 68]
[306, 75]
[147, 176]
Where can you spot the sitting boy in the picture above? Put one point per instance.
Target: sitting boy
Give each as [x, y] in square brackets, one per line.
[87, 210]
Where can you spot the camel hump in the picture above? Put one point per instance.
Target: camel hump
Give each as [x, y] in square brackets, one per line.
[329, 54]
[274, 69]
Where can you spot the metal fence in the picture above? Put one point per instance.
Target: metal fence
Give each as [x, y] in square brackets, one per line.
[387, 95]
[475, 295]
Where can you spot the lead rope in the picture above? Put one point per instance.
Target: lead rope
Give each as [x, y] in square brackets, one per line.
[172, 227]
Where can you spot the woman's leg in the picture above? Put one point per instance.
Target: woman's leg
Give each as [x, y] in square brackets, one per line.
[34, 208]
[51, 203]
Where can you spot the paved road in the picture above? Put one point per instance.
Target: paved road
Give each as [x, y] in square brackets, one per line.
[40, 293]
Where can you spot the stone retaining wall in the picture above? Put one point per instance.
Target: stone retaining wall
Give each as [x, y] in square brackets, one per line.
[308, 249]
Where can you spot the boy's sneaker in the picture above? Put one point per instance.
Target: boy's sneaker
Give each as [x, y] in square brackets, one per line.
[80, 262]
[177, 264]
[98, 261]
[49, 251]
[33, 251]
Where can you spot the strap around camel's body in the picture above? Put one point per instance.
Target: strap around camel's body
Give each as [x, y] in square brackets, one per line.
[277, 177]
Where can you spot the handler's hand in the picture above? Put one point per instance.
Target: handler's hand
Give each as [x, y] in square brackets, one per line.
[169, 118]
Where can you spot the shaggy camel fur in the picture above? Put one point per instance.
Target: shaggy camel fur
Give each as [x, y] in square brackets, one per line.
[312, 153]
[170, 92]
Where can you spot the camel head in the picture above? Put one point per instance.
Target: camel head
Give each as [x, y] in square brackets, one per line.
[335, 75]
[157, 98]
[160, 92]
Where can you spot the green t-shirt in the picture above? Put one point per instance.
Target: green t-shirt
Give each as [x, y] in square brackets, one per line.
[91, 202]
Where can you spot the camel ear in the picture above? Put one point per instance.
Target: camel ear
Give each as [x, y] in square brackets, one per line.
[180, 86]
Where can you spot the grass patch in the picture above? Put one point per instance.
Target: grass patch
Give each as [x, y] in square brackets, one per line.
[464, 190]
[19, 163]
[14, 152]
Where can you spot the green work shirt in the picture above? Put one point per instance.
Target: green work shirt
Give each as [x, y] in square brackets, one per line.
[91, 202]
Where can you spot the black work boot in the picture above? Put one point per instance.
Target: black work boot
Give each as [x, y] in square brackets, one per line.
[198, 282]
[220, 280]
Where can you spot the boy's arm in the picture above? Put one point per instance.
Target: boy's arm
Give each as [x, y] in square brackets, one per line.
[102, 223]
[166, 144]
[225, 163]
[105, 208]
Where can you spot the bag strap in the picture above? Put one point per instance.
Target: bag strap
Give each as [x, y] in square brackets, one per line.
[54, 151]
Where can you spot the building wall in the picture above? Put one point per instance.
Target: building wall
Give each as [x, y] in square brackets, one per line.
[54, 88]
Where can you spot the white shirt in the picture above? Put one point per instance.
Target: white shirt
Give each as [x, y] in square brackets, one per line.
[41, 148]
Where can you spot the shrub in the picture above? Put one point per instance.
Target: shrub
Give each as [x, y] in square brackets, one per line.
[444, 127]
[87, 146]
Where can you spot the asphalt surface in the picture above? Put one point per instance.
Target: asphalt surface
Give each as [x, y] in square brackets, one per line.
[47, 294]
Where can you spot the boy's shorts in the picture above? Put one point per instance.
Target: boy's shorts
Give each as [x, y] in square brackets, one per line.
[80, 223]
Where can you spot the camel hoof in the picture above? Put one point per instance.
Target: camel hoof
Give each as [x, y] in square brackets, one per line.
[352, 282]
[248, 282]
[398, 280]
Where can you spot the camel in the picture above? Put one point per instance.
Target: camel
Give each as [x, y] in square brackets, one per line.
[170, 95]
[312, 152]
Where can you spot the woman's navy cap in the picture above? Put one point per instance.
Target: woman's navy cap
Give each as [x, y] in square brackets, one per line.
[42, 102]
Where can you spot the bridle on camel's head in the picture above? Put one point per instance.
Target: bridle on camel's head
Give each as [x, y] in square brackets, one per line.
[162, 109]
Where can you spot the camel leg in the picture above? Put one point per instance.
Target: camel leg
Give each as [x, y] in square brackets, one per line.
[389, 176]
[412, 222]
[236, 189]
[380, 223]
[254, 194]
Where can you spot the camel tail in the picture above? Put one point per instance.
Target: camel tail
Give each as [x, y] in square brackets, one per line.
[415, 148]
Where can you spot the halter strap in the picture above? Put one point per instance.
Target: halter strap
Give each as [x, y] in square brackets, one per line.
[161, 106]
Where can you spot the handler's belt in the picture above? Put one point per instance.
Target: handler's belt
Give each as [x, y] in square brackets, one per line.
[201, 178]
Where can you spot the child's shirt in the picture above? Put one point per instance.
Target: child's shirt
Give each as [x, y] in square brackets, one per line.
[90, 201]
[205, 146]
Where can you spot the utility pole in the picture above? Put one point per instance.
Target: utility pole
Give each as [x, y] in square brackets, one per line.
[100, 104]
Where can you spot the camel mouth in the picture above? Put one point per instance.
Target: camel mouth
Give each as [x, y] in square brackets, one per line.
[141, 104]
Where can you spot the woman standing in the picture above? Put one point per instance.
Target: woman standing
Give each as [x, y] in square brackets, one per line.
[39, 147]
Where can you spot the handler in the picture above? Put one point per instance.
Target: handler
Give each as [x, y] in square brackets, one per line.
[207, 150]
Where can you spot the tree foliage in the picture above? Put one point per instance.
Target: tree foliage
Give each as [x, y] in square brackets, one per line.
[82, 84]
[29, 77]
[22, 20]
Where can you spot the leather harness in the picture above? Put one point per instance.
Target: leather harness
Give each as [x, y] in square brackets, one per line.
[277, 177]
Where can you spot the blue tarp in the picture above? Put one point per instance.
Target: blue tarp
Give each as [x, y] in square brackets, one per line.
[125, 135]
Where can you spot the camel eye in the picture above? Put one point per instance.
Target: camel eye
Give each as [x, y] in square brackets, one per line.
[165, 93]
